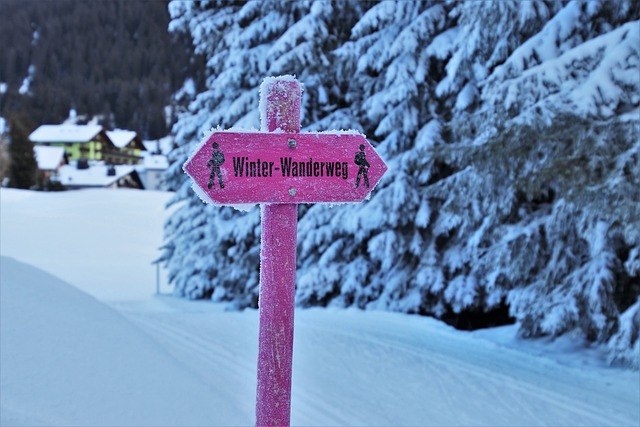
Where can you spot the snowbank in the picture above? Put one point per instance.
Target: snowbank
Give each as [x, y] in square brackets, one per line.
[67, 359]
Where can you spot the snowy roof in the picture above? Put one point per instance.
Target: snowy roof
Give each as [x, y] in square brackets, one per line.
[95, 176]
[155, 162]
[48, 158]
[165, 144]
[65, 133]
[120, 137]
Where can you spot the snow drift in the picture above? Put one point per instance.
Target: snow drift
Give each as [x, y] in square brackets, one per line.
[67, 359]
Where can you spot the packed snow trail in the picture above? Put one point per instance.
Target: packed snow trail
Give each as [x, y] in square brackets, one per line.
[350, 367]
[376, 368]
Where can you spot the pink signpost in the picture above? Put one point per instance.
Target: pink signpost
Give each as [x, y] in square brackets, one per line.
[280, 167]
[262, 167]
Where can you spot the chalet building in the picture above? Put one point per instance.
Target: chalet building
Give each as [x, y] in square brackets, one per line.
[153, 168]
[88, 156]
[129, 145]
[83, 143]
[100, 176]
[50, 160]
[154, 163]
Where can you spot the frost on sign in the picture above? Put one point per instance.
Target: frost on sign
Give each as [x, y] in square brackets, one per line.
[232, 168]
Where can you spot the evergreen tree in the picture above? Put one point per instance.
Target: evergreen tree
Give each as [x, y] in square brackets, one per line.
[511, 133]
[5, 157]
[215, 251]
[544, 184]
[23, 166]
[392, 103]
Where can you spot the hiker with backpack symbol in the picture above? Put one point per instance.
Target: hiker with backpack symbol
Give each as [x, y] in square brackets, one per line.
[363, 166]
[217, 159]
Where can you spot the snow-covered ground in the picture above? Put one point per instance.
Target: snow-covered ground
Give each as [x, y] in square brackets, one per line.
[85, 341]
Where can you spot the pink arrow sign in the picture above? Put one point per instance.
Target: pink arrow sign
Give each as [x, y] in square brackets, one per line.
[232, 168]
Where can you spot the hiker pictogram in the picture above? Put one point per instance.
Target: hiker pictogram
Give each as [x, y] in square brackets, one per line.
[217, 159]
[363, 167]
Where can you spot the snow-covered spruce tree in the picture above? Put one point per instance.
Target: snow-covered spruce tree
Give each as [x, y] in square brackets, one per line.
[368, 254]
[188, 253]
[511, 132]
[419, 64]
[545, 182]
[211, 251]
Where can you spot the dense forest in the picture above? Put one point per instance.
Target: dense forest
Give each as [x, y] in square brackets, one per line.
[511, 130]
[109, 58]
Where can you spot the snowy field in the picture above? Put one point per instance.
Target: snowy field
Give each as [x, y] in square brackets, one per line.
[85, 341]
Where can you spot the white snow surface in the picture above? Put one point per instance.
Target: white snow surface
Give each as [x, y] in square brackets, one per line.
[84, 341]
[25, 87]
[48, 158]
[68, 359]
[95, 176]
[164, 144]
[121, 137]
[65, 133]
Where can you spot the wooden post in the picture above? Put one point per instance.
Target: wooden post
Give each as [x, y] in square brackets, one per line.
[280, 106]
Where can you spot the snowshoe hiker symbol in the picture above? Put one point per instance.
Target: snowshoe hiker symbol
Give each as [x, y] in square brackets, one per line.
[217, 159]
[363, 167]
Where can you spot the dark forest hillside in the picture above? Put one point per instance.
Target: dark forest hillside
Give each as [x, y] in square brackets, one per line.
[108, 57]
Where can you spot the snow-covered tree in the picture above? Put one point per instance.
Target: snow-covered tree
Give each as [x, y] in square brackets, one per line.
[511, 131]
[366, 255]
[213, 252]
[545, 183]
